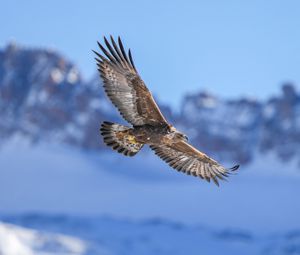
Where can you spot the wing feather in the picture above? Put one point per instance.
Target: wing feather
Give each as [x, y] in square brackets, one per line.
[124, 87]
[187, 159]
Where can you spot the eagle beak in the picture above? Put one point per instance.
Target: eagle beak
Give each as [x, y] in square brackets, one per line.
[183, 136]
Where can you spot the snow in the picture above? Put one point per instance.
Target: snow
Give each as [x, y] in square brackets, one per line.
[35, 96]
[49, 179]
[224, 118]
[208, 102]
[101, 104]
[21, 241]
[57, 75]
[269, 111]
[55, 179]
[108, 236]
[73, 76]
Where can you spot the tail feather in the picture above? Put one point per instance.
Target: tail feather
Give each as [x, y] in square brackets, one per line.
[120, 138]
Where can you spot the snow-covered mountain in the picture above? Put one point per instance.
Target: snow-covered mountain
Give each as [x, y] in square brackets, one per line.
[75, 202]
[109, 236]
[238, 129]
[44, 98]
[57, 181]
[15, 240]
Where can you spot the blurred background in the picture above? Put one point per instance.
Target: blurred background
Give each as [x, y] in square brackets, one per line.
[223, 72]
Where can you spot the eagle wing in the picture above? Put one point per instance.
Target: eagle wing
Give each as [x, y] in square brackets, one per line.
[125, 88]
[185, 158]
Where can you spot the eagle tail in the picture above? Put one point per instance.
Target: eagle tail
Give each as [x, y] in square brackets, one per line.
[120, 138]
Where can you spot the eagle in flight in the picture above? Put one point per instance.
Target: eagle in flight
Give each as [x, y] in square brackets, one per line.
[127, 91]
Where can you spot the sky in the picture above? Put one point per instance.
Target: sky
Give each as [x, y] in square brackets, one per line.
[231, 48]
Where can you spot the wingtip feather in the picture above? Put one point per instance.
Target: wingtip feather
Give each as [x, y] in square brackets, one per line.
[234, 168]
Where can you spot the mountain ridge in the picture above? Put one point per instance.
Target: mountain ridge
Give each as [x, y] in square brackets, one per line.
[44, 98]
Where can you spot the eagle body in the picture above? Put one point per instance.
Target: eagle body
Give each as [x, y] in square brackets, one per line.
[131, 97]
[154, 135]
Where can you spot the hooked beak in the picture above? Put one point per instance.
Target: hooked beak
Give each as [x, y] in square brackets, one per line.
[184, 137]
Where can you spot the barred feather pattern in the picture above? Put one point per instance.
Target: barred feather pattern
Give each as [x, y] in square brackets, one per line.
[196, 164]
[124, 87]
[119, 138]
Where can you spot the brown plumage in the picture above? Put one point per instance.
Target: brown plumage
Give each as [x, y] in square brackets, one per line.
[131, 97]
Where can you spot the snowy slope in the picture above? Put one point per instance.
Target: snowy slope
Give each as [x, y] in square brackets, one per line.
[21, 241]
[56, 179]
[107, 235]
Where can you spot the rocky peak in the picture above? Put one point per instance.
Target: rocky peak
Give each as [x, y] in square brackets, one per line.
[43, 97]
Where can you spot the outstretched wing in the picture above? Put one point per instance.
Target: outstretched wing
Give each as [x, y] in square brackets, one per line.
[187, 159]
[125, 88]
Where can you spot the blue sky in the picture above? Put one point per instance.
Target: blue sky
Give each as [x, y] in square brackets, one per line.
[230, 48]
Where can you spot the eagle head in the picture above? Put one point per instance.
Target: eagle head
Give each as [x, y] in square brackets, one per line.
[176, 135]
[181, 136]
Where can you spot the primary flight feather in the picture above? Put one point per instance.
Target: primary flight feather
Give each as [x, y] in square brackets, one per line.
[131, 97]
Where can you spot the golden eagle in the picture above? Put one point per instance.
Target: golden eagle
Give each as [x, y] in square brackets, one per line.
[131, 97]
